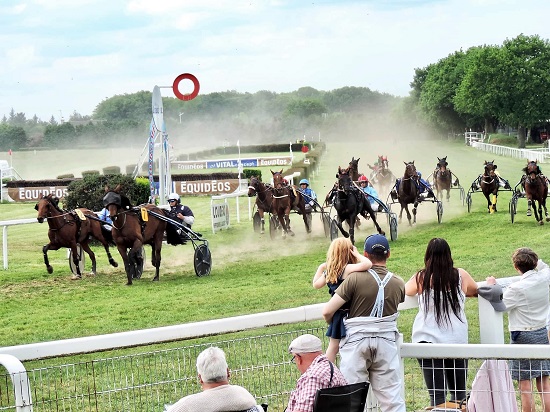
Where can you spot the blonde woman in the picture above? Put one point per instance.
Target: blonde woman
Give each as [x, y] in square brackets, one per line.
[342, 259]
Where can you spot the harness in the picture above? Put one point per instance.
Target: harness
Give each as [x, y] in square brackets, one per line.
[378, 308]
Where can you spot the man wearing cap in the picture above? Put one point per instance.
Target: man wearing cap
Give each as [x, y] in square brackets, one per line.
[369, 350]
[316, 372]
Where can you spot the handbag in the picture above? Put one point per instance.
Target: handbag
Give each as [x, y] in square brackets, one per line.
[347, 398]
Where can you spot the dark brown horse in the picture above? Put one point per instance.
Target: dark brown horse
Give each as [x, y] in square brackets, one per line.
[489, 182]
[134, 227]
[354, 169]
[69, 228]
[285, 199]
[264, 198]
[443, 178]
[349, 202]
[408, 192]
[535, 185]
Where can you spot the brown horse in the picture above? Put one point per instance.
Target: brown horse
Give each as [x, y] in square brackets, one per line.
[134, 227]
[535, 185]
[350, 202]
[443, 178]
[285, 199]
[489, 182]
[381, 175]
[407, 192]
[69, 228]
[353, 169]
[264, 199]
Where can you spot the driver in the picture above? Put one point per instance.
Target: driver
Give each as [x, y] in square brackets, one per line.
[309, 195]
[181, 214]
[424, 188]
[370, 192]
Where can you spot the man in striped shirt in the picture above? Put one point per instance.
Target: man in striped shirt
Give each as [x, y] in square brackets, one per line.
[316, 372]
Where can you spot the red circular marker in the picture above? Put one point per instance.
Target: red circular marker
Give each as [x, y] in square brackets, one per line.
[196, 85]
[305, 149]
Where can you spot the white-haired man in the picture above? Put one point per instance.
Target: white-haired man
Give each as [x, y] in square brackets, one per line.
[217, 394]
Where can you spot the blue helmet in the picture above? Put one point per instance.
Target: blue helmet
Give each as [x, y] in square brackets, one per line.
[304, 182]
[419, 174]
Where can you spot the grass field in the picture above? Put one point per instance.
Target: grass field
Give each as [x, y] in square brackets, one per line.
[252, 273]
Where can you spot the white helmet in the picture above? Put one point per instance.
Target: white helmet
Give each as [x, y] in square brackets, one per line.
[174, 196]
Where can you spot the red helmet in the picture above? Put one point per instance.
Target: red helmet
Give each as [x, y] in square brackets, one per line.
[363, 178]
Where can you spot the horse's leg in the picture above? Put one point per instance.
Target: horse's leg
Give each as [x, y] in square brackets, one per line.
[305, 217]
[287, 221]
[126, 259]
[539, 216]
[262, 221]
[137, 258]
[415, 205]
[448, 194]
[155, 260]
[351, 222]
[86, 248]
[543, 203]
[529, 204]
[339, 224]
[495, 196]
[45, 249]
[109, 256]
[76, 261]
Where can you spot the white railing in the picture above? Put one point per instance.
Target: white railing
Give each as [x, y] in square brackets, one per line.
[5, 224]
[538, 155]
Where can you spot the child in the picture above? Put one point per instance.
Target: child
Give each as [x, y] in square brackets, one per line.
[342, 259]
[527, 302]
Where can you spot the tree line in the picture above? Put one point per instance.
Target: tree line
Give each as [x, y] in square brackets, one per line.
[482, 88]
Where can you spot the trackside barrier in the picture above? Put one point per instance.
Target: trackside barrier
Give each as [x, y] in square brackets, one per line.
[223, 222]
[5, 225]
[539, 155]
[491, 346]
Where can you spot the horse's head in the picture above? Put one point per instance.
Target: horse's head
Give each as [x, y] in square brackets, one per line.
[532, 169]
[278, 180]
[344, 180]
[354, 164]
[442, 163]
[410, 171]
[45, 206]
[112, 201]
[490, 168]
[254, 186]
[383, 162]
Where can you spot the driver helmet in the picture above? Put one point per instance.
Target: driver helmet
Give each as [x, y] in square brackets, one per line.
[419, 174]
[363, 179]
[304, 182]
[174, 196]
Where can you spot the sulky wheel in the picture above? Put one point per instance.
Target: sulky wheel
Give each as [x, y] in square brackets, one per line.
[257, 222]
[202, 260]
[333, 230]
[469, 201]
[513, 207]
[81, 260]
[273, 226]
[326, 223]
[439, 211]
[393, 226]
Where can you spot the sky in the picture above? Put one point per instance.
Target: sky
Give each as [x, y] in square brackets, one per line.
[62, 56]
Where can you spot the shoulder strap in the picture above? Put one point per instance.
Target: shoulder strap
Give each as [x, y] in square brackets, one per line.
[378, 308]
[331, 373]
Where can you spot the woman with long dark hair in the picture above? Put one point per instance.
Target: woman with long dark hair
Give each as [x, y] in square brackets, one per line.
[442, 291]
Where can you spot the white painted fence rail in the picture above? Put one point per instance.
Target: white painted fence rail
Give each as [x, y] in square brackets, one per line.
[539, 155]
[5, 224]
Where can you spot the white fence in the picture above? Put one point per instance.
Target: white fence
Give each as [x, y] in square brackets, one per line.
[491, 347]
[539, 155]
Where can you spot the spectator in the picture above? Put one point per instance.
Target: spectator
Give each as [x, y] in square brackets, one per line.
[310, 197]
[369, 350]
[217, 394]
[316, 372]
[342, 259]
[370, 192]
[441, 290]
[527, 302]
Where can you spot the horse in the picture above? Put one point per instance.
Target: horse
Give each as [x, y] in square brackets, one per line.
[535, 185]
[443, 178]
[382, 175]
[69, 228]
[408, 192]
[285, 199]
[264, 199]
[354, 169]
[349, 202]
[132, 228]
[489, 183]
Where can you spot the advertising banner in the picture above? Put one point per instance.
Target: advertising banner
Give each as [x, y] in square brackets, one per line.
[232, 163]
[220, 216]
[28, 194]
[206, 187]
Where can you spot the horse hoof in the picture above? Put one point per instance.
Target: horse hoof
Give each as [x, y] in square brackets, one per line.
[291, 233]
[541, 222]
[528, 213]
[548, 219]
[155, 279]
[91, 274]
[76, 277]
[113, 263]
[262, 232]
[128, 283]
[49, 269]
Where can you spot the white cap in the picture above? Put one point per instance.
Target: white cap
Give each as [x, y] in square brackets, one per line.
[305, 344]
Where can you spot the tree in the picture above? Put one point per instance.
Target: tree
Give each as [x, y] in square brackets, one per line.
[12, 137]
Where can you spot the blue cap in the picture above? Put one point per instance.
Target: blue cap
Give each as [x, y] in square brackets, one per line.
[377, 245]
